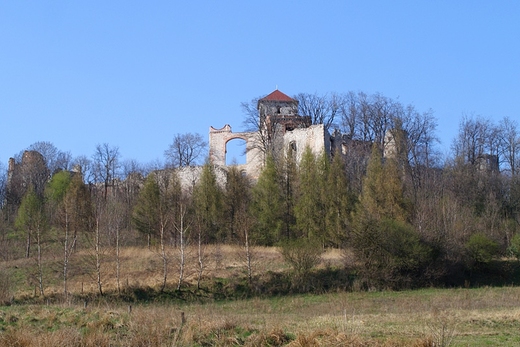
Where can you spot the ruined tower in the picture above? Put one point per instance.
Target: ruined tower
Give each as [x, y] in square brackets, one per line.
[281, 128]
[30, 173]
[278, 111]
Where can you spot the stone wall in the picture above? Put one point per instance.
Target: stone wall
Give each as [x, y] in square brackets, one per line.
[218, 138]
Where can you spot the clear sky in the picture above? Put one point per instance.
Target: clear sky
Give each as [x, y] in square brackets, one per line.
[134, 73]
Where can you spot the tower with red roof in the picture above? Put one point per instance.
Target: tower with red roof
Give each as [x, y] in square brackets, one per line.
[279, 111]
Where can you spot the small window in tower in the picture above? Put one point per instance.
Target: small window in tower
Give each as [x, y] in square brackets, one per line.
[279, 110]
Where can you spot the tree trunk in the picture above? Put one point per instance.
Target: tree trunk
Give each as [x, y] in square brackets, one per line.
[200, 254]
[65, 254]
[182, 235]
[248, 259]
[98, 257]
[28, 245]
[164, 257]
[39, 260]
[118, 260]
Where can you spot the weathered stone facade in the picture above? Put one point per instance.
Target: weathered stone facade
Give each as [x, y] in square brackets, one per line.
[280, 125]
[30, 173]
[218, 138]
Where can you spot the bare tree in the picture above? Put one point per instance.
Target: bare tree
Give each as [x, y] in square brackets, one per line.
[54, 158]
[348, 111]
[84, 165]
[472, 141]
[106, 165]
[133, 174]
[251, 115]
[253, 122]
[100, 216]
[510, 145]
[185, 150]
[32, 218]
[322, 109]
[182, 226]
[365, 117]
[131, 167]
[201, 249]
[76, 217]
[420, 136]
[116, 217]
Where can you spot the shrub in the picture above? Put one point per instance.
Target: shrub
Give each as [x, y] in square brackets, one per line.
[392, 254]
[302, 255]
[481, 249]
[514, 247]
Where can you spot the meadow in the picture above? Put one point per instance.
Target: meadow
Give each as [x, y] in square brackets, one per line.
[229, 311]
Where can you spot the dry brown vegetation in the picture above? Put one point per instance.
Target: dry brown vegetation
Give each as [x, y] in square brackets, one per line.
[140, 267]
[471, 316]
[428, 317]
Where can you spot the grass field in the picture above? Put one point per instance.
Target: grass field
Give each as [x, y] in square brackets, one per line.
[428, 317]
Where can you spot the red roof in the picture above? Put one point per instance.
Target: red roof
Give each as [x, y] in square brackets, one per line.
[278, 96]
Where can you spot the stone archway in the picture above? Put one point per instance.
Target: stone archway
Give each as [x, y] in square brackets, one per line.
[218, 138]
[236, 151]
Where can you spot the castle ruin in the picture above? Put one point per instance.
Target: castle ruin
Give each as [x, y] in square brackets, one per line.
[281, 128]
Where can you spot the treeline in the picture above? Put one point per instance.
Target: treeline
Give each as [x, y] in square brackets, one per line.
[402, 217]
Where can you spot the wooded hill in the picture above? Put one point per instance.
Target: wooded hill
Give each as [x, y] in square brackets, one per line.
[408, 220]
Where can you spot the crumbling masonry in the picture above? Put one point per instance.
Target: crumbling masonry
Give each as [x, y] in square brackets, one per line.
[280, 127]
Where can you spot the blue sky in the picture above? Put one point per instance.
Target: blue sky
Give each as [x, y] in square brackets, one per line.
[132, 74]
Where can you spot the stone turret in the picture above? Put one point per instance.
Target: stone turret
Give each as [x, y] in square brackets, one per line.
[31, 172]
[278, 110]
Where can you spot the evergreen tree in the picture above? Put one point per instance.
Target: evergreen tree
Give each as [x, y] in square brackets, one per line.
[267, 206]
[237, 199]
[339, 203]
[208, 205]
[309, 209]
[382, 194]
[145, 216]
[155, 212]
[388, 246]
[289, 183]
[239, 220]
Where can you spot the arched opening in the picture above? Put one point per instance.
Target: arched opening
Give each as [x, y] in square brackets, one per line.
[236, 152]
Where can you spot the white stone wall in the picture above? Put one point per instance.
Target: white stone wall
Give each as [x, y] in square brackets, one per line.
[189, 176]
[315, 137]
[218, 138]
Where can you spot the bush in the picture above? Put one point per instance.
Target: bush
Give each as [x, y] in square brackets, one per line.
[392, 254]
[514, 247]
[481, 249]
[302, 255]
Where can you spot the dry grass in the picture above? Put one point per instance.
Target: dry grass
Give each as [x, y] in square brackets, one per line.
[140, 267]
[456, 317]
[420, 318]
